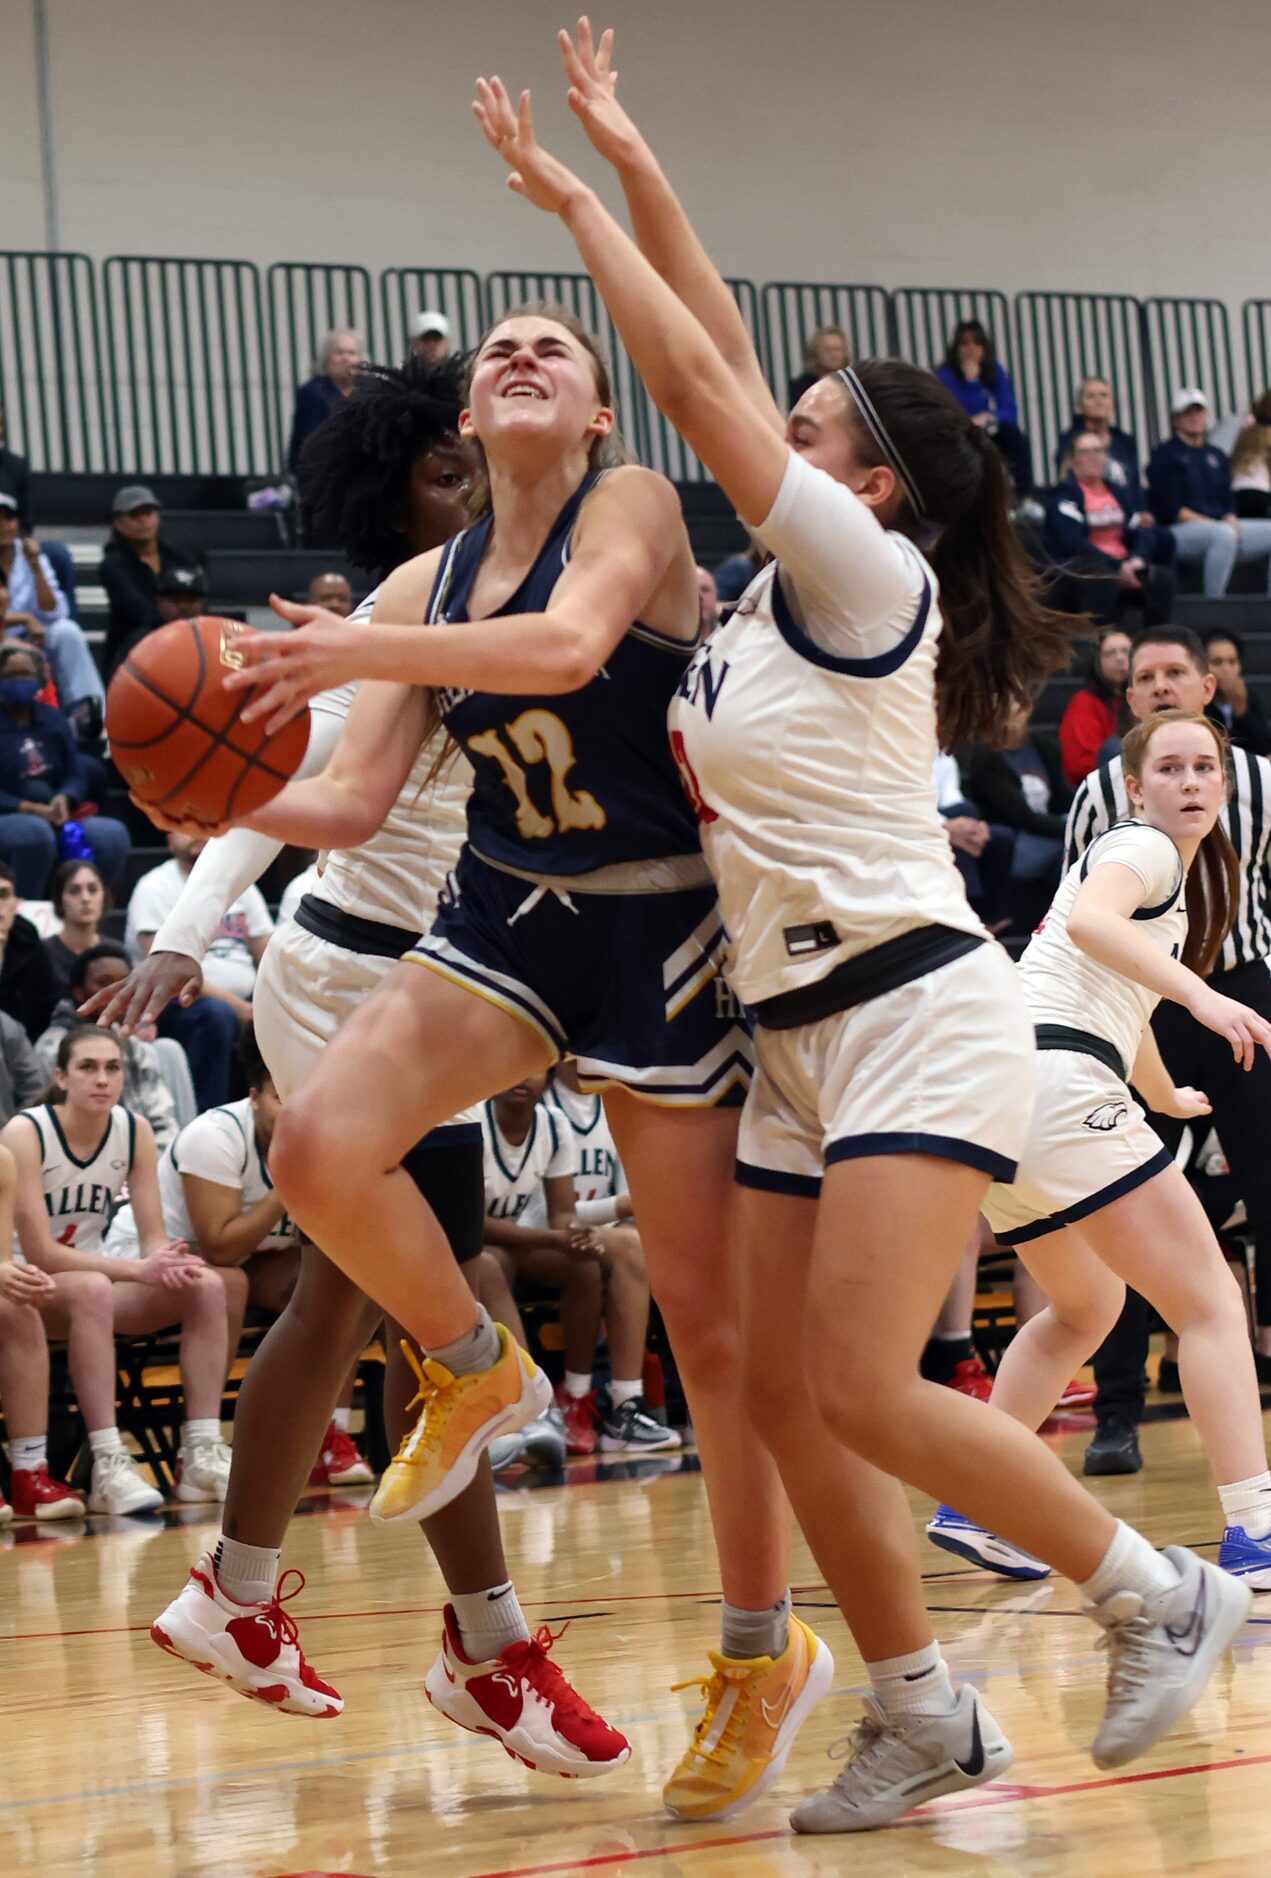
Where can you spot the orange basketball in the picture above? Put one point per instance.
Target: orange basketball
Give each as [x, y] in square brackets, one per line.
[177, 736]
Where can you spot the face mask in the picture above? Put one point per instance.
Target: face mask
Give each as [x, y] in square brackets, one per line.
[19, 691]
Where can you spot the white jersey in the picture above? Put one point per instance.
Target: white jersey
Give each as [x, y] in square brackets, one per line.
[806, 728]
[80, 1195]
[515, 1171]
[1063, 985]
[394, 877]
[221, 1146]
[599, 1175]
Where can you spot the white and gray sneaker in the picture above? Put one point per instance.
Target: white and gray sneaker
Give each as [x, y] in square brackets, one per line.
[119, 1486]
[202, 1472]
[895, 1765]
[505, 1449]
[1162, 1651]
[629, 1428]
[543, 1440]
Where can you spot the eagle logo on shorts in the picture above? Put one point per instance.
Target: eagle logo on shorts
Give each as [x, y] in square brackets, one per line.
[1106, 1117]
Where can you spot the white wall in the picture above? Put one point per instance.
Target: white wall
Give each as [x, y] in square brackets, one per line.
[1061, 143]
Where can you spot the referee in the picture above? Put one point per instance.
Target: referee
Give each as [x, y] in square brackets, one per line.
[1169, 671]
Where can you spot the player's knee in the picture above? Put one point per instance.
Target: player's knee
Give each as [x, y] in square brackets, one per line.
[304, 1157]
[93, 1299]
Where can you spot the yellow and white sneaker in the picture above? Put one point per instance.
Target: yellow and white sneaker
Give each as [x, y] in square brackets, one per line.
[754, 1707]
[459, 1418]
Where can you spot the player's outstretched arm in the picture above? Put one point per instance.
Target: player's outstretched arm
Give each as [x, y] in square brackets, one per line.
[674, 354]
[663, 232]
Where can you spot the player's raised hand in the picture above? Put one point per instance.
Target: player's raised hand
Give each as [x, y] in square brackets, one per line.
[537, 175]
[137, 1000]
[593, 94]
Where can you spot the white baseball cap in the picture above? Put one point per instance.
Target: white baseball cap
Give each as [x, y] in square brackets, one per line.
[1186, 398]
[429, 321]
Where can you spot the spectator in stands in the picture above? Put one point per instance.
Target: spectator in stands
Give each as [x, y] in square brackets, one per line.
[22, 1080]
[206, 1027]
[15, 477]
[28, 989]
[827, 350]
[1251, 473]
[331, 591]
[81, 900]
[43, 781]
[1108, 561]
[36, 602]
[707, 602]
[430, 336]
[733, 576]
[180, 591]
[982, 386]
[982, 852]
[339, 356]
[1189, 480]
[1233, 705]
[145, 1085]
[1225, 433]
[1094, 410]
[1098, 713]
[136, 558]
[1021, 786]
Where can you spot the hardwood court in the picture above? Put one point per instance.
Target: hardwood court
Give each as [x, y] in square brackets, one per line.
[121, 1763]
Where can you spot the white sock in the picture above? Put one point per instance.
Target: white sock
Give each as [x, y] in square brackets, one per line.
[105, 1441]
[1129, 1564]
[917, 1684]
[951, 1336]
[577, 1385]
[28, 1452]
[1245, 1503]
[194, 1431]
[620, 1392]
[343, 1418]
[488, 1621]
[246, 1573]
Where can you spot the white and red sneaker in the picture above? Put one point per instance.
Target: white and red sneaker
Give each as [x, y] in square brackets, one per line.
[971, 1378]
[339, 1462]
[580, 1418]
[255, 1648]
[1077, 1395]
[36, 1495]
[523, 1700]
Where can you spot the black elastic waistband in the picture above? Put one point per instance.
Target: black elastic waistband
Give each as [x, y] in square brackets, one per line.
[869, 975]
[372, 937]
[1082, 1043]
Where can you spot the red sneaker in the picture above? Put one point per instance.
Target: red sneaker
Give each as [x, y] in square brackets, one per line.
[971, 1378]
[1078, 1394]
[255, 1648]
[36, 1496]
[579, 1412]
[523, 1700]
[339, 1462]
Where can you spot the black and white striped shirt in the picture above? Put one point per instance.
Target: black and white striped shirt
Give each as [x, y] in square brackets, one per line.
[1101, 800]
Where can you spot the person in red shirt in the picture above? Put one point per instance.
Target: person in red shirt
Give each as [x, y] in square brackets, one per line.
[1096, 712]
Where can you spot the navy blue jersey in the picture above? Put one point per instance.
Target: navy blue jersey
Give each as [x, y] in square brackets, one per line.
[568, 783]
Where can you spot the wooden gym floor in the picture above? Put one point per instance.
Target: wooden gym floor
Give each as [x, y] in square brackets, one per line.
[120, 1763]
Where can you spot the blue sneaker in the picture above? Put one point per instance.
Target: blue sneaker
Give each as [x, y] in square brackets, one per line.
[952, 1533]
[1246, 1558]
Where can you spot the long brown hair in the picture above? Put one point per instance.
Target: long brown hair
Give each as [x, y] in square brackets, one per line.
[1001, 642]
[1213, 879]
[66, 1050]
[605, 452]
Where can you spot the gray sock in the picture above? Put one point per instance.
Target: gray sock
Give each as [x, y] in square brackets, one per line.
[756, 1633]
[478, 1348]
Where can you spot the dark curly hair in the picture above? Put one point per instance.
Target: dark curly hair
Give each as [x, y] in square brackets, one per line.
[354, 470]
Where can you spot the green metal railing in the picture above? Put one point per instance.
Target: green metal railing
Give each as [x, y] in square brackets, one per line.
[1188, 342]
[405, 291]
[307, 300]
[1256, 315]
[51, 379]
[190, 371]
[794, 309]
[924, 319]
[1063, 338]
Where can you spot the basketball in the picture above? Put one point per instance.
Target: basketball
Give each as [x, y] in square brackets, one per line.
[177, 736]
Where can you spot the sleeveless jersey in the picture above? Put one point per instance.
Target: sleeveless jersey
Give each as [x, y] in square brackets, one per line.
[599, 1175]
[515, 1171]
[573, 782]
[396, 876]
[811, 769]
[80, 1195]
[220, 1145]
[1063, 985]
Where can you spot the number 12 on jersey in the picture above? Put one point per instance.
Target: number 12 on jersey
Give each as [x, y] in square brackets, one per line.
[540, 737]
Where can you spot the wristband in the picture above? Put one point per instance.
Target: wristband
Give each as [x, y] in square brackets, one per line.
[596, 1212]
